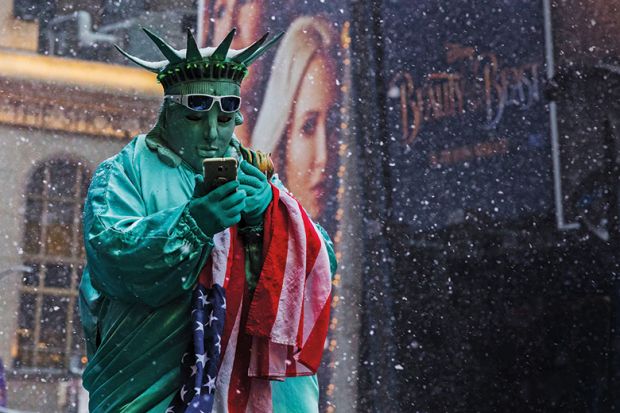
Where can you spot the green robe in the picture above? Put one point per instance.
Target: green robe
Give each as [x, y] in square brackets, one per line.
[144, 253]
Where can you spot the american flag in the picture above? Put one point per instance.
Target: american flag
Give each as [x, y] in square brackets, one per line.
[199, 365]
[277, 331]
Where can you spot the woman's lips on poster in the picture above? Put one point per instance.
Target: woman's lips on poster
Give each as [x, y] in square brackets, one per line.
[318, 190]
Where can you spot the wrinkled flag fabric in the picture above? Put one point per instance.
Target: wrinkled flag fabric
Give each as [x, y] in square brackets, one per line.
[241, 340]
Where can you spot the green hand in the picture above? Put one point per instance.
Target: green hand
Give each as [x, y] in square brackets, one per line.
[219, 209]
[259, 192]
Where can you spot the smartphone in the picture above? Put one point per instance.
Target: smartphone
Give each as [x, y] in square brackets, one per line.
[218, 171]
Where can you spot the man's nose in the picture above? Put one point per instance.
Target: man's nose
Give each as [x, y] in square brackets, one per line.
[210, 133]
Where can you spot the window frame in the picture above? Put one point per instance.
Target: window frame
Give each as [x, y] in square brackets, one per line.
[28, 360]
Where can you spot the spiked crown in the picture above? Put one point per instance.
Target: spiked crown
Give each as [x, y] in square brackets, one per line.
[209, 63]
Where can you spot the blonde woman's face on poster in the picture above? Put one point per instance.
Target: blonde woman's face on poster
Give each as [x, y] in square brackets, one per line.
[306, 147]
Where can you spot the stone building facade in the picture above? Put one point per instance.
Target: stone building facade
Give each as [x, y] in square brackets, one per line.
[59, 118]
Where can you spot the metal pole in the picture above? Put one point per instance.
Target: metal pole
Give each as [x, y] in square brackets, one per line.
[200, 25]
[553, 119]
[17, 268]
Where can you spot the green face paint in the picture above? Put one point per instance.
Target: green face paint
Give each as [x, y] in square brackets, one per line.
[217, 71]
[194, 135]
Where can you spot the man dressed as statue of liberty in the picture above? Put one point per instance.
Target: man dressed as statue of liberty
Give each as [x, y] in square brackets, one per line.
[197, 299]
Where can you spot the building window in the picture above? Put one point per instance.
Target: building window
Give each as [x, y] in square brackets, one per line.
[88, 29]
[49, 335]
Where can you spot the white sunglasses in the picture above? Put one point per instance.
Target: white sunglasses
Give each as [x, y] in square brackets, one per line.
[203, 102]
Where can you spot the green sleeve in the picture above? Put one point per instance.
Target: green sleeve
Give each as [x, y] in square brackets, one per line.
[333, 263]
[135, 256]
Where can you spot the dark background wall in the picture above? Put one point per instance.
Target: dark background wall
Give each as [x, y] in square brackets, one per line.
[471, 309]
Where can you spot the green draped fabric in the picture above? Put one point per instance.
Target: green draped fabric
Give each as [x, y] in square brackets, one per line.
[144, 254]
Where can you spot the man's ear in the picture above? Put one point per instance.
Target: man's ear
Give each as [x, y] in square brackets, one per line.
[238, 118]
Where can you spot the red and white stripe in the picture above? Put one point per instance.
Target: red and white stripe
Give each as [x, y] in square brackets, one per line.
[281, 331]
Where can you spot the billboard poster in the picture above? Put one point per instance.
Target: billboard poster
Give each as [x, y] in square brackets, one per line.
[468, 125]
[292, 96]
[586, 89]
[293, 104]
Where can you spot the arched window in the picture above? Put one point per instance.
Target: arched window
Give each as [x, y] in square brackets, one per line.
[49, 333]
